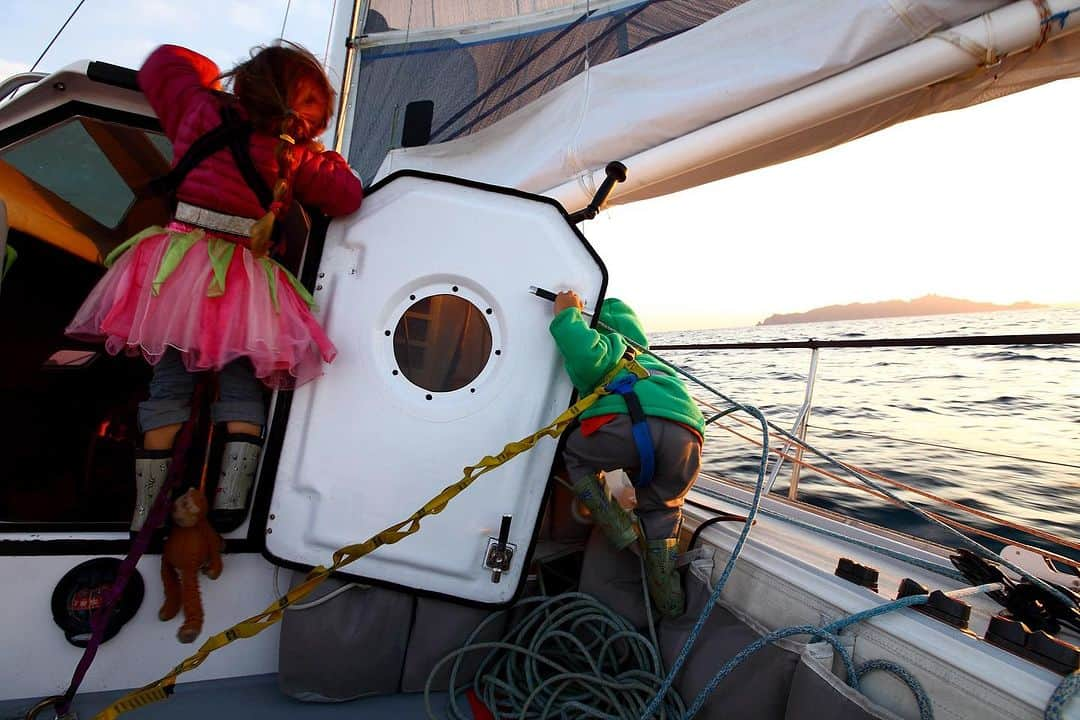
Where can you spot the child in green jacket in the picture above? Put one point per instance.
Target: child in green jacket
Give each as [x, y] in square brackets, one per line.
[605, 440]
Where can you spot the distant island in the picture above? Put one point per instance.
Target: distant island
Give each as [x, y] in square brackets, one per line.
[926, 305]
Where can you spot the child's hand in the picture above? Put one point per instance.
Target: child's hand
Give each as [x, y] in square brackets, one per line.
[567, 299]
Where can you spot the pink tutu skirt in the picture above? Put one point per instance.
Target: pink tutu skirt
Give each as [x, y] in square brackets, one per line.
[208, 297]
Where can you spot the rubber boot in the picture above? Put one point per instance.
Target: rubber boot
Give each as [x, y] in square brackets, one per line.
[661, 571]
[151, 471]
[617, 524]
[239, 462]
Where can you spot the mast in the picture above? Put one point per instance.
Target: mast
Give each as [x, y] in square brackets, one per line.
[352, 44]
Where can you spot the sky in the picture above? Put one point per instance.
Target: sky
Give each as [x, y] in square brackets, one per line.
[970, 204]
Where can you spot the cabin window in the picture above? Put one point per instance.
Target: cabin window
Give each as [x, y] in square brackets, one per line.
[66, 161]
[87, 174]
[68, 431]
[442, 343]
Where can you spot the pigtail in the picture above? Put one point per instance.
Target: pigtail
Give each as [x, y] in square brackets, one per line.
[263, 229]
[285, 92]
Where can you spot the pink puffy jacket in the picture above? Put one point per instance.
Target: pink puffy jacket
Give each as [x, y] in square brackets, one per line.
[179, 84]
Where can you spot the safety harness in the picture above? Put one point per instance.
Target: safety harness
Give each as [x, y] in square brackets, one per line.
[624, 385]
[233, 133]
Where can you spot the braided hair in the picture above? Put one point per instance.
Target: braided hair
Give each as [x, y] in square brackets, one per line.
[286, 93]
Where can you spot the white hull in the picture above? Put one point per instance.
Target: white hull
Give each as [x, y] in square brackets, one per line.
[784, 577]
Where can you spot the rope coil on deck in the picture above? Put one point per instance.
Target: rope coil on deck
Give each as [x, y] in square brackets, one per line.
[570, 656]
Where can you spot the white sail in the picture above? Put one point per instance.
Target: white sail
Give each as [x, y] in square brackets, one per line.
[761, 83]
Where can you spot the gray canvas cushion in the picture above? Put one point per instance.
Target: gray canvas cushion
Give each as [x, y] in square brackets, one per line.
[817, 693]
[757, 689]
[439, 628]
[347, 647]
[614, 578]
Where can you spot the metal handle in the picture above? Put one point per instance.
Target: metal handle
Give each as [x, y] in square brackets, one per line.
[616, 173]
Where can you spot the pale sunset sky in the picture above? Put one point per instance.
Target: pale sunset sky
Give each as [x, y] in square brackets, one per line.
[971, 204]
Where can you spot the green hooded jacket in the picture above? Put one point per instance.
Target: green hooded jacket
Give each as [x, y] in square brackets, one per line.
[590, 354]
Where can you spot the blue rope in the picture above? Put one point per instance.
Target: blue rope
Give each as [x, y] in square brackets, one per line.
[715, 595]
[1066, 691]
[761, 642]
[926, 712]
[829, 633]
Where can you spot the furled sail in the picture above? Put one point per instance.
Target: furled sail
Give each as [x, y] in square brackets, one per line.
[478, 62]
[541, 94]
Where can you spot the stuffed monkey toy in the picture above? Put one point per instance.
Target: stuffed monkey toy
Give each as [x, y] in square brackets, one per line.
[192, 545]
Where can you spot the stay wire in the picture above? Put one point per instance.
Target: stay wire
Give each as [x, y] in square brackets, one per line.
[284, 20]
[57, 35]
[946, 447]
[329, 33]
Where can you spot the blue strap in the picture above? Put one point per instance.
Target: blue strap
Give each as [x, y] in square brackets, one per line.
[624, 385]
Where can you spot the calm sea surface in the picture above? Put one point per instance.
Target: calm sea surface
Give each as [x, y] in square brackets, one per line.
[891, 409]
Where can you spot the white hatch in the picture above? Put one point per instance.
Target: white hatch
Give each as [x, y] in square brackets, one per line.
[444, 357]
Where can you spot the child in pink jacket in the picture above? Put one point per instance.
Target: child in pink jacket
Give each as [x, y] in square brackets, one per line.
[202, 293]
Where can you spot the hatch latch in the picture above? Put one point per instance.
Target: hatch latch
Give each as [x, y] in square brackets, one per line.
[499, 552]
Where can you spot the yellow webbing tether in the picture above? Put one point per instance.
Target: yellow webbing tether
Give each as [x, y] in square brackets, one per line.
[161, 689]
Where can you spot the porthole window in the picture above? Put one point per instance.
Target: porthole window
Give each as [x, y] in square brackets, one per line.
[442, 343]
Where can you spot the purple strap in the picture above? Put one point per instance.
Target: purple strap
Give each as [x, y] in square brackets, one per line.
[156, 518]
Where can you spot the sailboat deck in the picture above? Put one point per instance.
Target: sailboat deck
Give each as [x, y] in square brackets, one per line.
[253, 696]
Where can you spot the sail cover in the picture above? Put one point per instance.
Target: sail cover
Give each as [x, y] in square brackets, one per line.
[541, 94]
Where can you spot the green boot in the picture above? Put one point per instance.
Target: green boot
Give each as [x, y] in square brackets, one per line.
[616, 523]
[665, 585]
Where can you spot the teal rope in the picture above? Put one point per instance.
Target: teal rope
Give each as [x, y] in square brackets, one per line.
[570, 656]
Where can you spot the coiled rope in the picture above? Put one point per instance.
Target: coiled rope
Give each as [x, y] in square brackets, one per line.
[570, 656]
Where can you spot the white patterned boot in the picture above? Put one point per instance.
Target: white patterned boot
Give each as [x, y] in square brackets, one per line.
[151, 471]
[239, 462]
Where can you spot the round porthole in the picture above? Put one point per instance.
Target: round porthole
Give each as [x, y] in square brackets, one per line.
[442, 343]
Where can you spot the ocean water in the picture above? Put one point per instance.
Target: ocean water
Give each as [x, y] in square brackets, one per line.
[996, 428]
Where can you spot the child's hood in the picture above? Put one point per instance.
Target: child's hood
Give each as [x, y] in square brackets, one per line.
[618, 316]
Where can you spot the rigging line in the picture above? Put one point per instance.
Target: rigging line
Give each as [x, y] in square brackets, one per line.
[288, 6]
[947, 447]
[569, 58]
[329, 33]
[57, 35]
[1035, 532]
[1049, 537]
[964, 539]
[508, 75]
